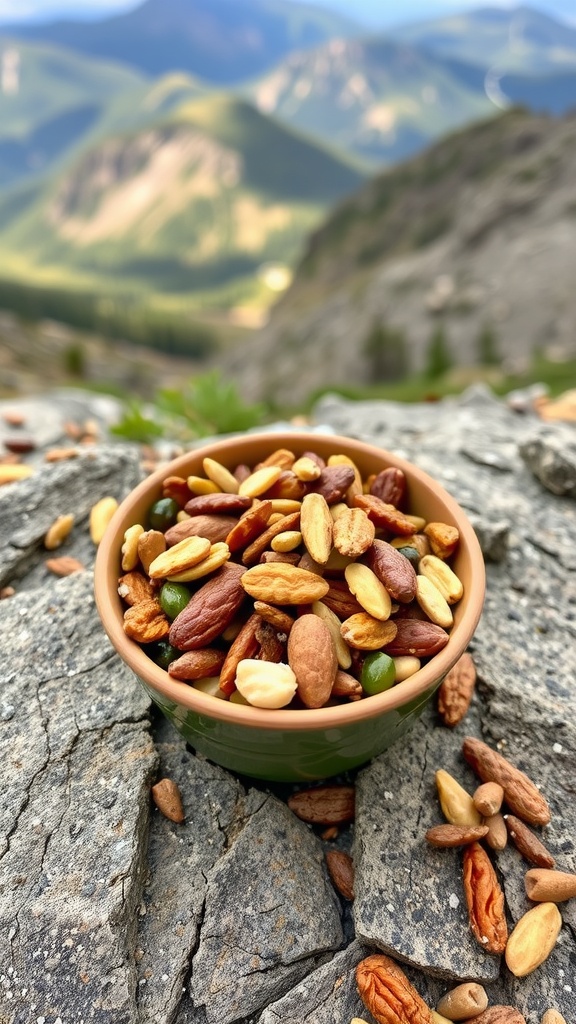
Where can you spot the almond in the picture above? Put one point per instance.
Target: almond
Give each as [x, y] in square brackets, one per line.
[497, 835]
[341, 870]
[210, 504]
[415, 637]
[394, 570]
[528, 843]
[333, 483]
[464, 1001]
[64, 565]
[209, 610]
[312, 658]
[390, 486]
[499, 1014]
[455, 835]
[324, 805]
[197, 664]
[214, 528]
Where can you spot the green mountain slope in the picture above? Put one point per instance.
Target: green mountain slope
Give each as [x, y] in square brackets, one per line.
[517, 39]
[49, 100]
[195, 202]
[378, 99]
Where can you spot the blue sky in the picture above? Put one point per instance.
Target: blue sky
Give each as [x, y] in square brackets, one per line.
[378, 13]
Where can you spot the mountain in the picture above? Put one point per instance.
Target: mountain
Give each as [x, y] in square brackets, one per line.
[477, 234]
[192, 204]
[220, 41]
[512, 39]
[376, 98]
[49, 100]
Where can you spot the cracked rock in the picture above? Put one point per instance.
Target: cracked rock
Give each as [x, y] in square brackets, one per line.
[271, 915]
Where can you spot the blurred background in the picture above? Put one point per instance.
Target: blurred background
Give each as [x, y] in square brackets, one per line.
[273, 199]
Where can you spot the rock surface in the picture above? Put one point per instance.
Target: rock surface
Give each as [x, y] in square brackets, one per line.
[108, 911]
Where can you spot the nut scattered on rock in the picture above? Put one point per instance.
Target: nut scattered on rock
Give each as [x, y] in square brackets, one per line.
[63, 566]
[528, 843]
[324, 805]
[456, 690]
[168, 800]
[533, 939]
[387, 994]
[520, 793]
[341, 870]
[464, 1001]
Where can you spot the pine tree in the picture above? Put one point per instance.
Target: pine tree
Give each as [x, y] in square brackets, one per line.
[438, 356]
[386, 351]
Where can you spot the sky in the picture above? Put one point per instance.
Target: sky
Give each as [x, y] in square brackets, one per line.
[376, 13]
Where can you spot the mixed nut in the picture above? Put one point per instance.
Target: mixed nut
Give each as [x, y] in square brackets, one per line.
[290, 583]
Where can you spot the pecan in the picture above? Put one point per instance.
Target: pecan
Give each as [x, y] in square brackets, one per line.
[209, 610]
[324, 805]
[520, 793]
[312, 658]
[484, 899]
[254, 550]
[443, 539]
[455, 835]
[414, 636]
[145, 622]
[341, 870]
[353, 532]
[394, 570]
[456, 690]
[390, 486]
[244, 646]
[249, 526]
[339, 599]
[387, 994]
[134, 588]
[272, 648]
[175, 487]
[528, 843]
[384, 515]
[197, 664]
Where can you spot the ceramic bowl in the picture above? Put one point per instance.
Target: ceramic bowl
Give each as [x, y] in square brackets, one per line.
[286, 744]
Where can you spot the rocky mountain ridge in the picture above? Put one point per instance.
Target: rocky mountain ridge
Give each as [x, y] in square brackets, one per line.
[475, 234]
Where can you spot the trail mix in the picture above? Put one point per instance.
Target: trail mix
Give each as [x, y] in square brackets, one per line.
[293, 583]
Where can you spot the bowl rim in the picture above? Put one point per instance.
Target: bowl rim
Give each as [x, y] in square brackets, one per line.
[106, 571]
